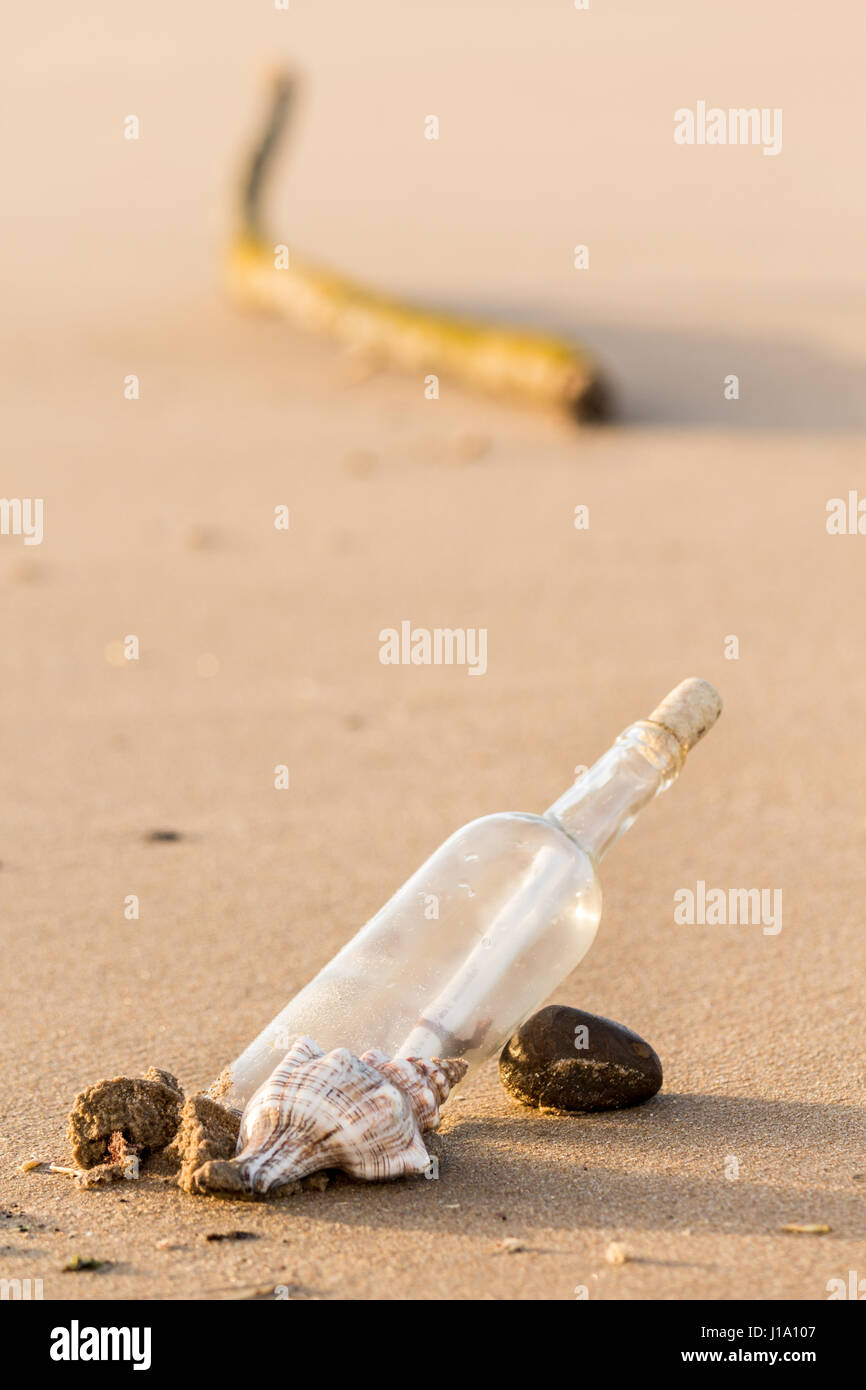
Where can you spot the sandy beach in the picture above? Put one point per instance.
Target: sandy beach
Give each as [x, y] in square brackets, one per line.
[260, 647]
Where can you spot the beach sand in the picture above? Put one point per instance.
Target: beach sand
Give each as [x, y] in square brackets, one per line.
[260, 647]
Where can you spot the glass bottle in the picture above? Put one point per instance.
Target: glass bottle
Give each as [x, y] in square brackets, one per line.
[479, 937]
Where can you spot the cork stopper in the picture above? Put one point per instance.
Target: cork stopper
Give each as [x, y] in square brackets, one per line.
[689, 711]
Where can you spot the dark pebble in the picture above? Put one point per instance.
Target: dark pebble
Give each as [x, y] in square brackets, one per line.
[231, 1235]
[163, 837]
[541, 1065]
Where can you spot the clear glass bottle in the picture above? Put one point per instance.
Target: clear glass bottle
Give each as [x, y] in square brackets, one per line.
[481, 935]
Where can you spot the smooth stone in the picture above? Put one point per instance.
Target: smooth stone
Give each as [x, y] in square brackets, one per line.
[546, 1063]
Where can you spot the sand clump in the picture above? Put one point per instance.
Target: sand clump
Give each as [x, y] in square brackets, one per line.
[122, 1163]
[208, 1133]
[124, 1124]
[144, 1110]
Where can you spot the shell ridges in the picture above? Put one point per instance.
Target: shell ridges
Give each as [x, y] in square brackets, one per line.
[365, 1115]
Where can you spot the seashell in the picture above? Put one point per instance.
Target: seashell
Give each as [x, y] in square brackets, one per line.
[365, 1115]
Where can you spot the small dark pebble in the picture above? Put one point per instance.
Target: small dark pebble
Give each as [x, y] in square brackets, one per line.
[232, 1235]
[79, 1262]
[546, 1063]
[163, 837]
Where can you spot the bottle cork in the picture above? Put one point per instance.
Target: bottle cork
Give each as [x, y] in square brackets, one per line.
[689, 711]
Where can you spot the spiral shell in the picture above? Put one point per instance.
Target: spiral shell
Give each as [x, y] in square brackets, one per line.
[365, 1115]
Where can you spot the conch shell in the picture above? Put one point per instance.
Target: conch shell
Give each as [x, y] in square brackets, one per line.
[364, 1114]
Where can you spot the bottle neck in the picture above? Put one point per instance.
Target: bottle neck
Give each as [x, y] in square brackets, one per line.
[604, 802]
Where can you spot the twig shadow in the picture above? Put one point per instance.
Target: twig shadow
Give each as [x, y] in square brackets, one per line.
[673, 377]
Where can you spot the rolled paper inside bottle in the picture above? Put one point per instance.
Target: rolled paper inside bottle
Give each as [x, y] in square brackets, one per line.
[689, 711]
[458, 1012]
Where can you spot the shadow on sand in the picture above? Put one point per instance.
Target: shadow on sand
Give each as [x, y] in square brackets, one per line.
[657, 1167]
[676, 378]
